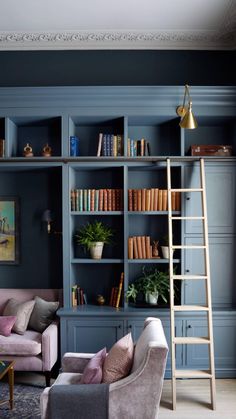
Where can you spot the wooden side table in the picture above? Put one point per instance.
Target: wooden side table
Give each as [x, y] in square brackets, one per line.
[8, 367]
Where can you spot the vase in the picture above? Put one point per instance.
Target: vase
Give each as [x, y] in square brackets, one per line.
[165, 252]
[151, 298]
[96, 250]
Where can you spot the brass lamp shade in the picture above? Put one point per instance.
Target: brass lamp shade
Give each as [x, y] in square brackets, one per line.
[189, 120]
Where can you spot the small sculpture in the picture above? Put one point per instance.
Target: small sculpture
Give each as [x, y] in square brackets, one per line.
[28, 151]
[100, 300]
[47, 151]
[155, 253]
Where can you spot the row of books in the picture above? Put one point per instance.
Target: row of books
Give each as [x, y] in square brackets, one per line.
[96, 200]
[115, 297]
[78, 297]
[153, 199]
[110, 145]
[138, 148]
[139, 247]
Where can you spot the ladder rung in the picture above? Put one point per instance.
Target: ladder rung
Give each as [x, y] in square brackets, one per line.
[191, 340]
[188, 246]
[193, 374]
[182, 277]
[188, 218]
[191, 308]
[187, 190]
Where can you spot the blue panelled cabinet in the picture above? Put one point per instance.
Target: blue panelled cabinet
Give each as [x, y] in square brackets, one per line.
[43, 117]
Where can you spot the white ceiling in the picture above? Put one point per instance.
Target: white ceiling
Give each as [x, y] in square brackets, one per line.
[117, 24]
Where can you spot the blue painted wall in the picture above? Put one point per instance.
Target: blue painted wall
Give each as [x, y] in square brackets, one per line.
[71, 68]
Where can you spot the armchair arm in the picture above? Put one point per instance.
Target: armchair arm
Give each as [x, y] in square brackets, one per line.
[50, 346]
[75, 362]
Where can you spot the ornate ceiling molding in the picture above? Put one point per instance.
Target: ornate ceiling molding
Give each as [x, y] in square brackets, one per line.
[224, 39]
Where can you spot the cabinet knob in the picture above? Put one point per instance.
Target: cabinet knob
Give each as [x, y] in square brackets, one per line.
[130, 326]
[119, 326]
[187, 198]
[187, 270]
[189, 326]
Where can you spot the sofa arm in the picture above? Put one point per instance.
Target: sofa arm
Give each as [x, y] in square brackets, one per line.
[75, 362]
[50, 346]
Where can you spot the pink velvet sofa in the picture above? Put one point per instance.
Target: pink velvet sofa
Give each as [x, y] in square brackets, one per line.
[32, 351]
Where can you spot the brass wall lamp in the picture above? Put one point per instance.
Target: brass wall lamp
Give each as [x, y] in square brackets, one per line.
[188, 120]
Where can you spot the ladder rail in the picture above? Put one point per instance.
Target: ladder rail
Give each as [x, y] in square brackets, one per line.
[208, 308]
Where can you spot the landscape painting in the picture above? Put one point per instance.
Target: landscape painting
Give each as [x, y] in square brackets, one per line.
[9, 230]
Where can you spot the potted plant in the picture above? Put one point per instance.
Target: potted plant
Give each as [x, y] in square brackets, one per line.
[93, 236]
[165, 247]
[152, 284]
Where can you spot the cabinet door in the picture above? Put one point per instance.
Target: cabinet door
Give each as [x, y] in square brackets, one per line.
[92, 335]
[222, 256]
[136, 327]
[220, 189]
[224, 331]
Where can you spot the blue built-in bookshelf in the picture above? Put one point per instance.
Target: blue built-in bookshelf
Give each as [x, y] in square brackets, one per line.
[106, 121]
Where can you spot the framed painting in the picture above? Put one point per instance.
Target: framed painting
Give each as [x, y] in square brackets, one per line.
[9, 230]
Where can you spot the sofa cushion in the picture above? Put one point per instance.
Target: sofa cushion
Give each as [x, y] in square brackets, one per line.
[68, 378]
[93, 371]
[28, 344]
[119, 360]
[42, 314]
[6, 324]
[22, 311]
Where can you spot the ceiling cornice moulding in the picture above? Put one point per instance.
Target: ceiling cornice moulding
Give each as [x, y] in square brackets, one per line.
[87, 40]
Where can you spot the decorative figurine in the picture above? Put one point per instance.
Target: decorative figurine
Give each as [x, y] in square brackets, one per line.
[155, 253]
[100, 300]
[28, 151]
[47, 151]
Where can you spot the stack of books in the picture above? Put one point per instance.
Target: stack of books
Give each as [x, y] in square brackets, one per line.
[138, 148]
[110, 145]
[78, 297]
[139, 247]
[96, 200]
[153, 199]
[115, 298]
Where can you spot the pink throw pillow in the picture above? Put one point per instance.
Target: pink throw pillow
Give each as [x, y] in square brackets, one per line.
[119, 360]
[93, 371]
[6, 324]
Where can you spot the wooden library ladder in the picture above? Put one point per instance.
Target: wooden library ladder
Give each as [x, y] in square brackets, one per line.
[186, 373]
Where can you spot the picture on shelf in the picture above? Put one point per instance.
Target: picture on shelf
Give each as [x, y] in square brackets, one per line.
[9, 230]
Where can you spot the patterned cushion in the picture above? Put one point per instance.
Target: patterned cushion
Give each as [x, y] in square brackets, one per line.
[22, 311]
[93, 371]
[6, 324]
[119, 360]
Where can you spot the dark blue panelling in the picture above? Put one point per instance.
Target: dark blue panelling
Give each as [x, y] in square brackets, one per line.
[70, 68]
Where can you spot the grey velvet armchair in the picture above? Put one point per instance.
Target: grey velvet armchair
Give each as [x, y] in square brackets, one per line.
[138, 395]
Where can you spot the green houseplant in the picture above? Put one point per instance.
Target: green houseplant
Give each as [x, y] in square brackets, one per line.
[152, 284]
[93, 236]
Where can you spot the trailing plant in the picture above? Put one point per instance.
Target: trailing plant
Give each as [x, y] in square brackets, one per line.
[93, 232]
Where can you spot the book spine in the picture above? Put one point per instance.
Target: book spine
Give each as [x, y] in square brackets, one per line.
[143, 199]
[74, 296]
[164, 200]
[128, 148]
[130, 248]
[81, 200]
[148, 149]
[139, 243]
[138, 142]
[109, 200]
[135, 200]
[147, 243]
[81, 296]
[85, 193]
[152, 200]
[112, 296]
[112, 145]
[104, 200]
[156, 199]
[135, 247]
[130, 200]
[139, 193]
[160, 200]
[119, 145]
[104, 145]
[173, 201]
[89, 200]
[72, 200]
[142, 151]
[115, 145]
[108, 145]
[92, 206]
[96, 206]
[119, 290]
[132, 148]
[113, 199]
[148, 200]
[99, 150]
[143, 247]
[115, 296]
[101, 200]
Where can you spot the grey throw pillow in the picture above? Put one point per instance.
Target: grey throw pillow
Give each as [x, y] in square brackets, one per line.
[42, 314]
[22, 311]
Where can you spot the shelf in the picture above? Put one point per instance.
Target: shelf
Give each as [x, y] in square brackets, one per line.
[96, 261]
[152, 212]
[96, 213]
[154, 260]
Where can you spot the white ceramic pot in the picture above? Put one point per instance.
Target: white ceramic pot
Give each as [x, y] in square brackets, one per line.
[151, 298]
[96, 250]
[165, 252]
